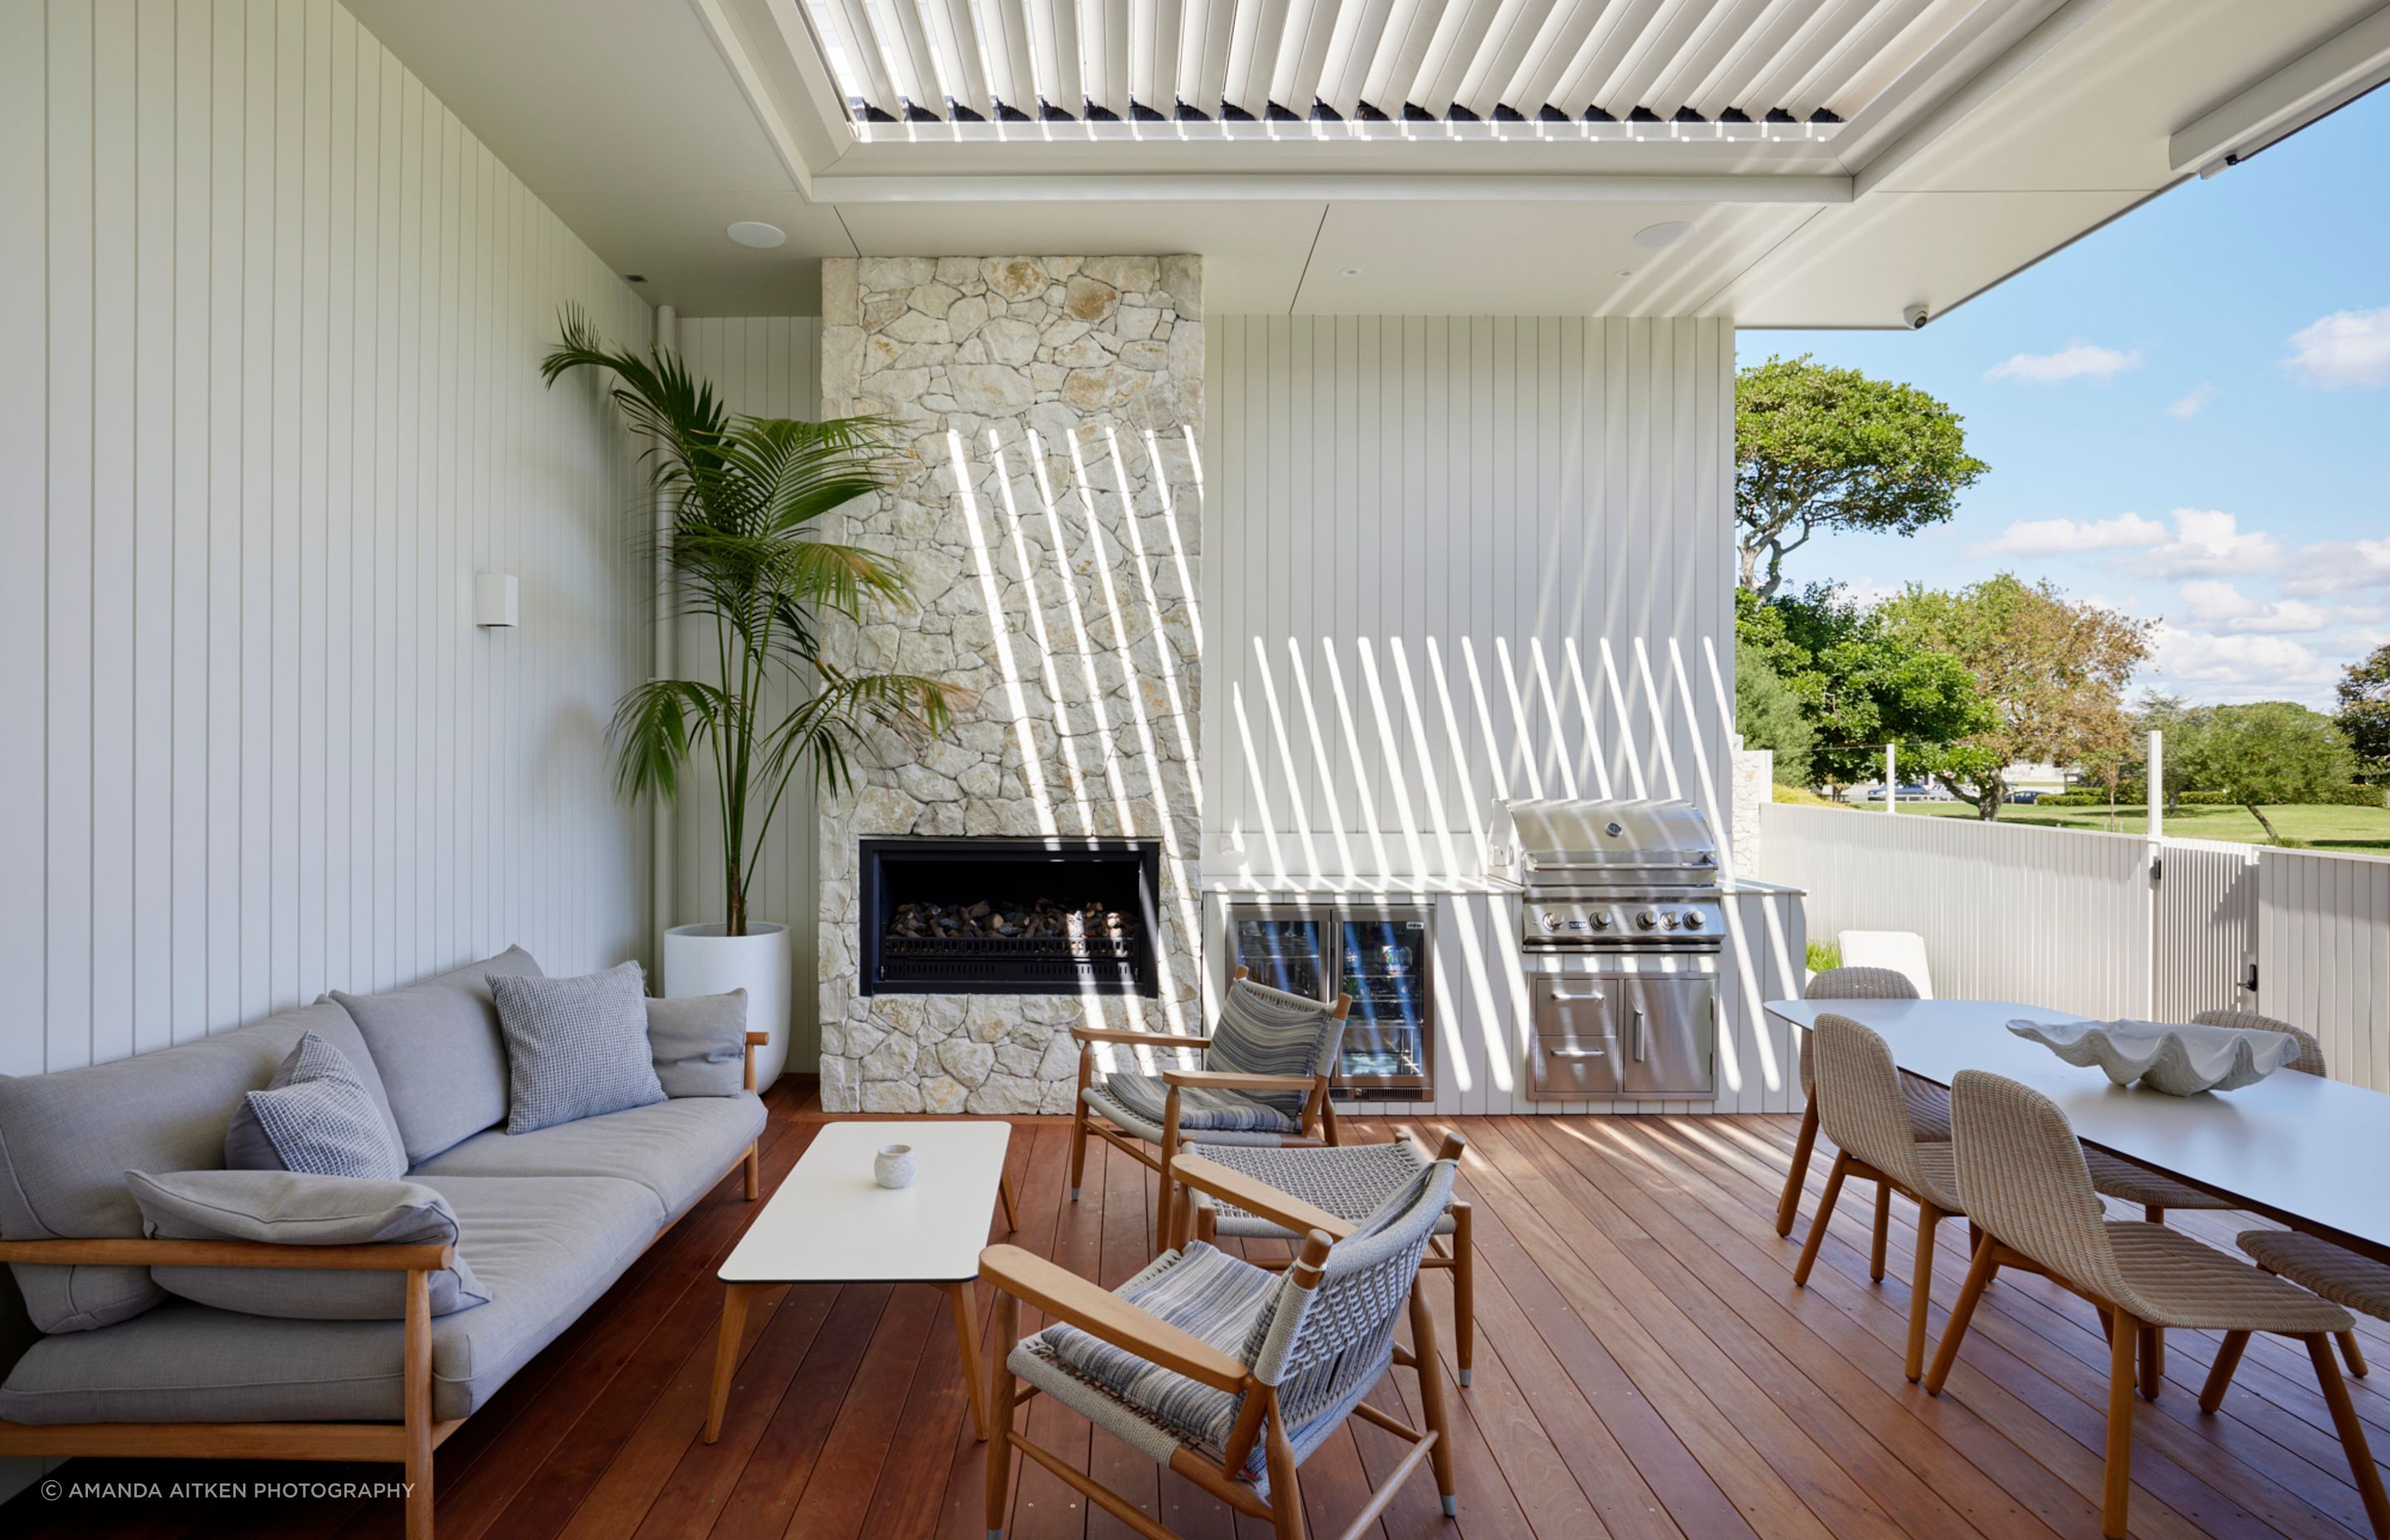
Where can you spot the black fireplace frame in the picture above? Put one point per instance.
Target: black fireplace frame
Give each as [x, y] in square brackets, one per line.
[1138, 975]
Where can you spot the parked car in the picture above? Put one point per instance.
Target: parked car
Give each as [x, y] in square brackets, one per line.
[2028, 797]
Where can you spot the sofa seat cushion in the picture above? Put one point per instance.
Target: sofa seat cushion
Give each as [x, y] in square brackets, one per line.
[676, 1149]
[544, 1249]
[441, 1059]
[68, 1138]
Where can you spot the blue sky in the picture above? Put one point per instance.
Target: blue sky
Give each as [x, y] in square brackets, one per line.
[2187, 416]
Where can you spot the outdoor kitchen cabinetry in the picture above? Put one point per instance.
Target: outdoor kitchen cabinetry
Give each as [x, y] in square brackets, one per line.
[1381, 954]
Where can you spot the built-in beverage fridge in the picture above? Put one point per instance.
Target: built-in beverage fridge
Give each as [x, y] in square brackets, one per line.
[1381, 953]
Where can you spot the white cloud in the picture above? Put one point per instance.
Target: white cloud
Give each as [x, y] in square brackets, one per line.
[2336, 566]
[2348, 347]
[2212, 668]
[2207, 542]
[2191, 404]
[2064, 536]
[2077, 360]
[2215, 604]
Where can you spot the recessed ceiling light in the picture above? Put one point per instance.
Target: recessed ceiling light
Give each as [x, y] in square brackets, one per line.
[1668, 233]
[1625, 273]
[1352, 272]
[755, 233]
[635, 278]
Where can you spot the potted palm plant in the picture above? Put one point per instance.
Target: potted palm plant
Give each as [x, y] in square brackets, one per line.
[739, 498]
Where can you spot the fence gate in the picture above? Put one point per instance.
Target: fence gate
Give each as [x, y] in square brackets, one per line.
[2206, 919]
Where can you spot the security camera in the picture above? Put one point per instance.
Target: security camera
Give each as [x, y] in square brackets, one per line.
[1916, 315]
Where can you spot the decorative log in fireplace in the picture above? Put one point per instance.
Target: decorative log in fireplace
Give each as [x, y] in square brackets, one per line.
[1008, 916]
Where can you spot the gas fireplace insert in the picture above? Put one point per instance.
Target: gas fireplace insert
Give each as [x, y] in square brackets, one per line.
[1008, 916]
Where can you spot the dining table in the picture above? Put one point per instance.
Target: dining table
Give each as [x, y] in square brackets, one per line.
[2307, 1151]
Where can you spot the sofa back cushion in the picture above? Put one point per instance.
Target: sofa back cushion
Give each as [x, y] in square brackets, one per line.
[440, 1053]
[68, 1138]
[698, 1043]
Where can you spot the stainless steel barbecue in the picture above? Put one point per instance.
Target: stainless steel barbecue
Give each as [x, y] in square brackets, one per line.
[1621, 924]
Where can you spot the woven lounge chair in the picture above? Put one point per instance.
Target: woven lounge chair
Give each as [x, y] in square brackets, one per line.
[1860, 1104]
[1351, 1182]
[1229, 1374]
[1928, 1104]
[2023, 1178]
[1264, 1082]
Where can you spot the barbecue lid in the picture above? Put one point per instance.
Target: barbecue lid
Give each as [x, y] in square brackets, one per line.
[1553, 836]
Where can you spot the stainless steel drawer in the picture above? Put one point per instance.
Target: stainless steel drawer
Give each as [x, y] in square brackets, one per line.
[1573, 1069]
[1621, 1036]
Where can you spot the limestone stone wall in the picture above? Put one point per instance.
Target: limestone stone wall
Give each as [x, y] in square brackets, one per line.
[1049, 517]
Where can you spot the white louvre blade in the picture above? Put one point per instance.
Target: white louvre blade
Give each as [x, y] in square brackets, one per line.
[953, 35]
[1252, 53]
[1360, 26]
[1153, 53]
[909, 59]
[1303, 53]
[1494, 71]
[1556, 42]
[1103, 54]
[1640, 70]
[1205, 36]
[1730, 83]
[1004, 32]
[1698, 57]
[862, 44]
[1801, 53]
[1866, 47]
[1394, 65]
[1597, 59]
[1054, 42]
[1458, 35]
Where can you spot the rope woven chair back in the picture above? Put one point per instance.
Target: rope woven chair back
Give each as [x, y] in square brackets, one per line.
[1859, 1104]
[2310, 1059]
[1324, 1347]
[1853, 983]
[2021, 1176]
[1263, 1031]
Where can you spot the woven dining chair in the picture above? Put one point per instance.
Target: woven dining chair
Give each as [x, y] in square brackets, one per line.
[2023, 1178]
[1227, 1373]
[1863, 1111]
[1351, 1182]
[1928, 1104]
[1266, 1065]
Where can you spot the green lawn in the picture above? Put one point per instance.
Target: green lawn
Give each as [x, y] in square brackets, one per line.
[2361, 830]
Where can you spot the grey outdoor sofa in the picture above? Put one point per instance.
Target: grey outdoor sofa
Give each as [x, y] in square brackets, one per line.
[548, 1221]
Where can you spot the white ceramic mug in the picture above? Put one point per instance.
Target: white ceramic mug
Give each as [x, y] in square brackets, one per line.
[895, 1165]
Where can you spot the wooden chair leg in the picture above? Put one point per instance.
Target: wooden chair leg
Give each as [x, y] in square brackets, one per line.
[1165, 1225]
[1789, 1205]
[416, 1385]
[1817, 1223]
[1286, 1488]
[2220, 1375]
[2154, 1213]
[2152, 1361]
[1464, 1291]
[2118, 1489]
[1979, 1277]
[1078, 1146]
[1007, 1327]
[2352, 1434]
[1883, 1240]
[2355, 1354]
[1921, 1289]
[754, 1172]
[1430, 1381]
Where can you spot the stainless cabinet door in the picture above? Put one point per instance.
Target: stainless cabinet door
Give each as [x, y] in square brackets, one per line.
[1667, 1034]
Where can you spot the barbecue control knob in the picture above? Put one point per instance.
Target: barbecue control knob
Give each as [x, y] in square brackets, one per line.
[1551, 923]
[1693, 920]
[1601, 920]
[1649, 919]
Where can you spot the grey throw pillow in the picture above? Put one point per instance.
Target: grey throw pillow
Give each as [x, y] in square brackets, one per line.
[295, 1209]
[698, 1043]
[575, 1047]
[314, 1116]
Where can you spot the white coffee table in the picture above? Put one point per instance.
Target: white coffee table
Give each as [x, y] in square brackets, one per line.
[831, 1222]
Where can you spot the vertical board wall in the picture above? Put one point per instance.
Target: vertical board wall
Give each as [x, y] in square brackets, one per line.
[1456, 559]
[273, 332]
[765, 366]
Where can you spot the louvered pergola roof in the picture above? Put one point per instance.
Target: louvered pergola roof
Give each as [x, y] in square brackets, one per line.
[1627, 70]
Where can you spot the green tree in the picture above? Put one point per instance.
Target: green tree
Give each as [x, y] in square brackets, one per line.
[1818, 448]
[2364, 717]
[2273, 751]
[1768, 714]
[2053, 672]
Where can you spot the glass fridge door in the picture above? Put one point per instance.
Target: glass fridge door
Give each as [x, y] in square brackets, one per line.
[1384, 960]
[1285, 946]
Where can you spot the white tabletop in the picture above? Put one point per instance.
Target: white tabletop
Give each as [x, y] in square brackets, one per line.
[831, 1222]
[2309, 1151]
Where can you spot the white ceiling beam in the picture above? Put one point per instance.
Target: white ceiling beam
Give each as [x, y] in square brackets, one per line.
[2353, 61]
[1237, 186]
[739, 52]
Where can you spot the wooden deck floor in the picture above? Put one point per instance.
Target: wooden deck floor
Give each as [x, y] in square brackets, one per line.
[1645, 1368]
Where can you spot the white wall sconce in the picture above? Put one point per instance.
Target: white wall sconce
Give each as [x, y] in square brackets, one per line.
[493, 599]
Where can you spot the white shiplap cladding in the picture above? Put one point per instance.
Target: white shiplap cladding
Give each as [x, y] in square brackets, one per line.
[767, 366]
[2323, 955]
[1456, 559]
[272, 400]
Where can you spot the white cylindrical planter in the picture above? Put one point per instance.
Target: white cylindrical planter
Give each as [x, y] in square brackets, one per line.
[703, 959]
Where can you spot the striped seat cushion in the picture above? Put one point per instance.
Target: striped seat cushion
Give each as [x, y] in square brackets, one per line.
[1201, 1108]
[1217, 1297]
[1267, 1032]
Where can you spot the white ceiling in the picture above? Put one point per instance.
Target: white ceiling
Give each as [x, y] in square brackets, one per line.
[1977, 136]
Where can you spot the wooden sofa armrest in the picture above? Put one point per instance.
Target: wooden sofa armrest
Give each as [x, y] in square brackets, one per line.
[754, 1041]
[1067, 1297]
[1157, 1039]
[127, 1252]
[1256, 1196]
[1229, 1079]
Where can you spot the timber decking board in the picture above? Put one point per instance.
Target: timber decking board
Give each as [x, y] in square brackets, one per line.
[1645, 1371]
